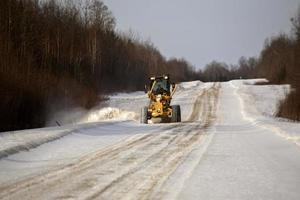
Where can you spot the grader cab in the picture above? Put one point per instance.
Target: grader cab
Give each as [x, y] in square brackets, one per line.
[160, 92]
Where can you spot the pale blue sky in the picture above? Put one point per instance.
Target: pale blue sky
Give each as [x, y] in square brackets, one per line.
[205, 30]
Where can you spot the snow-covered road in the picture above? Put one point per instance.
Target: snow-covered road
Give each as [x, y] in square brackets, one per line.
[221, 150]
[244, 160]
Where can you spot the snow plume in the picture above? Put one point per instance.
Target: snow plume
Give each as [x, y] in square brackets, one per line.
[78, 116]
[109, 113]
[66, 116]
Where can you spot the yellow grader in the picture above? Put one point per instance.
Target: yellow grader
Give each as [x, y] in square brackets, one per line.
[160, 92]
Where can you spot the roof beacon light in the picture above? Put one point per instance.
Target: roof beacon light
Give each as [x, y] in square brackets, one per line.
[166, 77]
[152, 78]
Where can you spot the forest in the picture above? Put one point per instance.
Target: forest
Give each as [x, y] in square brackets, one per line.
[279, 62]
[66, 54]
[60, 54]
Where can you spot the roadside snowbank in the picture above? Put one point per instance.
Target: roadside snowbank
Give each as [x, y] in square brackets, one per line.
[188, 85]
[260, 103]
[16, 141]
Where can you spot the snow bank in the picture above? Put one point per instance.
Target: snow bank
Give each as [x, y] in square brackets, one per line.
[16, 141]
[189, 85]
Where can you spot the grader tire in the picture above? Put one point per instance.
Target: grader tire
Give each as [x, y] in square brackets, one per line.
[144, 115]
[176, 114]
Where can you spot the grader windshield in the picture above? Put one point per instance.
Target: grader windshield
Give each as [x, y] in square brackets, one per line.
[161, 86]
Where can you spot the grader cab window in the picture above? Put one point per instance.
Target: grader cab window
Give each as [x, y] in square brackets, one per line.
[161, 86]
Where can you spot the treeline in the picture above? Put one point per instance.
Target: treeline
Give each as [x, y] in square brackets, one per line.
[59, 54]
[220, 71]
[280, 63]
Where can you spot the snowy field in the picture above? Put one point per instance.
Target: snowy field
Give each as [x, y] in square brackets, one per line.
[229, 146]
[260, 103]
